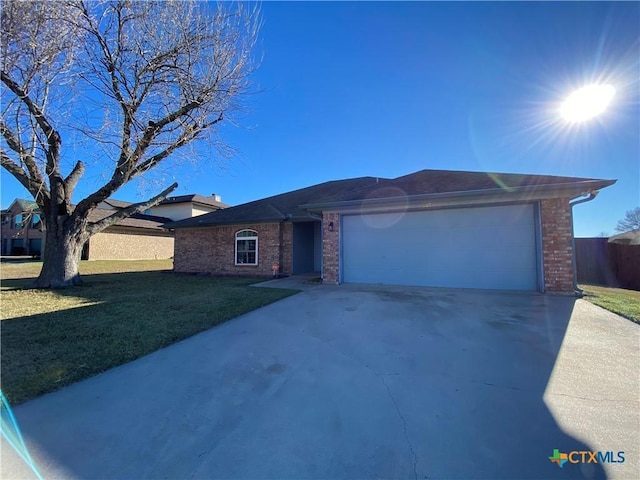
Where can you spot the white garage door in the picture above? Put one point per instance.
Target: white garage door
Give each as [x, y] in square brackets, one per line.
[485, 247]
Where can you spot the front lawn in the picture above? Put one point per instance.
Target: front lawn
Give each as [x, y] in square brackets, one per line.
[52, 338]
[617, 300]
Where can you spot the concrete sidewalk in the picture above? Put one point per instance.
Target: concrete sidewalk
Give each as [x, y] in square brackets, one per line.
[347, 382]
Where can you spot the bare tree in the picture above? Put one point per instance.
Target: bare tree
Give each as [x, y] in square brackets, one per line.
[136, 80]
[631, 221]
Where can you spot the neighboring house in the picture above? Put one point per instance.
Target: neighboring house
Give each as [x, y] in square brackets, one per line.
[21, 229]
[176, 208]
[140, 236]
[432, 228]
[632, 237]
[187, 206]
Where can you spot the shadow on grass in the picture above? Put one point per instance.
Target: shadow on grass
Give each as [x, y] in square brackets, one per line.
[88, 279]
[109, 320]
[348, 383]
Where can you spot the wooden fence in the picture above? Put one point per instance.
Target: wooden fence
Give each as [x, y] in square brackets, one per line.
[610, 264]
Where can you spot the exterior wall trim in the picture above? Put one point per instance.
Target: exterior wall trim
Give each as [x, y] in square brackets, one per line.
[235, 248]
[539, 248]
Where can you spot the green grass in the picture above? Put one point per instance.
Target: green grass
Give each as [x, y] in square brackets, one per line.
[124, 310]
[617, 300]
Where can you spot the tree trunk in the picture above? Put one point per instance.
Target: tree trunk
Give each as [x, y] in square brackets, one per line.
[61, 258]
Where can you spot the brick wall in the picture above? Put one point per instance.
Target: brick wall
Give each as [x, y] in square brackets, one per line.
[212, 250]
[331, 248]
[557, 253]
[286, 252]
[125, 245]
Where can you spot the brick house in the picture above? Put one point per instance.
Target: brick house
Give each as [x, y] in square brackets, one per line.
[431, 228]
[176, 208]
[22, 232]
[142, 236]
[138, 237]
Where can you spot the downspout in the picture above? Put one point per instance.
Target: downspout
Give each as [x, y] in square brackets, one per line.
[591, 195]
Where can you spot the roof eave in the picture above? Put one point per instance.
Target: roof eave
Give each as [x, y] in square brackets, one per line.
[218, 206]
[530, 192]
[136, 228]
[190, 224]
[174, 225]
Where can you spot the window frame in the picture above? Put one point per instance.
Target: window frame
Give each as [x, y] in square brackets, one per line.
[35, 220]
[235, 253]
[18, 221]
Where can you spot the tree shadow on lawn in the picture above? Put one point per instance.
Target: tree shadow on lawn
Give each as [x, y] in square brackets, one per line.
[88, 279]
[109, 320]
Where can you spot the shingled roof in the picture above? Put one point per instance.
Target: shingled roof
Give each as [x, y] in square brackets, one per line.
[23, 205]
[194, 198]
[631, 237]
[117, 203]
[278, 207]
[294, 205]
[138, 220]
[426, 182]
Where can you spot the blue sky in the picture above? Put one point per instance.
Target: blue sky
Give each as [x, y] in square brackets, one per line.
[384, 89]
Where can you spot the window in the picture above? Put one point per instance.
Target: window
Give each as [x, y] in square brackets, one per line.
[18, 221]
[247, 247]
[36, 221]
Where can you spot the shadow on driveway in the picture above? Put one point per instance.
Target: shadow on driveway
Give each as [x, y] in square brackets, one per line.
[356, 382]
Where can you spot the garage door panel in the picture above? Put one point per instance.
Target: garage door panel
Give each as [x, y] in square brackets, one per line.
[488, 247]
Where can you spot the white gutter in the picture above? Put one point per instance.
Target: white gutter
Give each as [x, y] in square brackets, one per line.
[589, 196]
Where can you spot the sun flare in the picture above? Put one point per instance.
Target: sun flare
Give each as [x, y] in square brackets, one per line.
[587, 102]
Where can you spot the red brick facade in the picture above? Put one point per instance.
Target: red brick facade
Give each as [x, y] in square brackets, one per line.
[212, 250]
[331, 248]
[557, 251]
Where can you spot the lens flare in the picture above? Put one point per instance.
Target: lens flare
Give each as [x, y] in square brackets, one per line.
[586, 103]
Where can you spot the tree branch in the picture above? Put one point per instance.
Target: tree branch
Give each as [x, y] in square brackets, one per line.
[130, 210]
[53, 138]
[155, 128]
[186, 137]
[25, 155]
[38, 190]
[72, 179]
[111, 67]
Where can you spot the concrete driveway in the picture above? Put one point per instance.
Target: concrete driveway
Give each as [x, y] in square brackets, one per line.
[359, 382]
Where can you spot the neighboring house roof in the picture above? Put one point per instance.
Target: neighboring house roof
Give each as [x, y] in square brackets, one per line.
[138, 220]
[110, 202]
[23, 205]
[194, 198]
[632, 237]
[108, 206]
[278, 207]
[300, 204]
